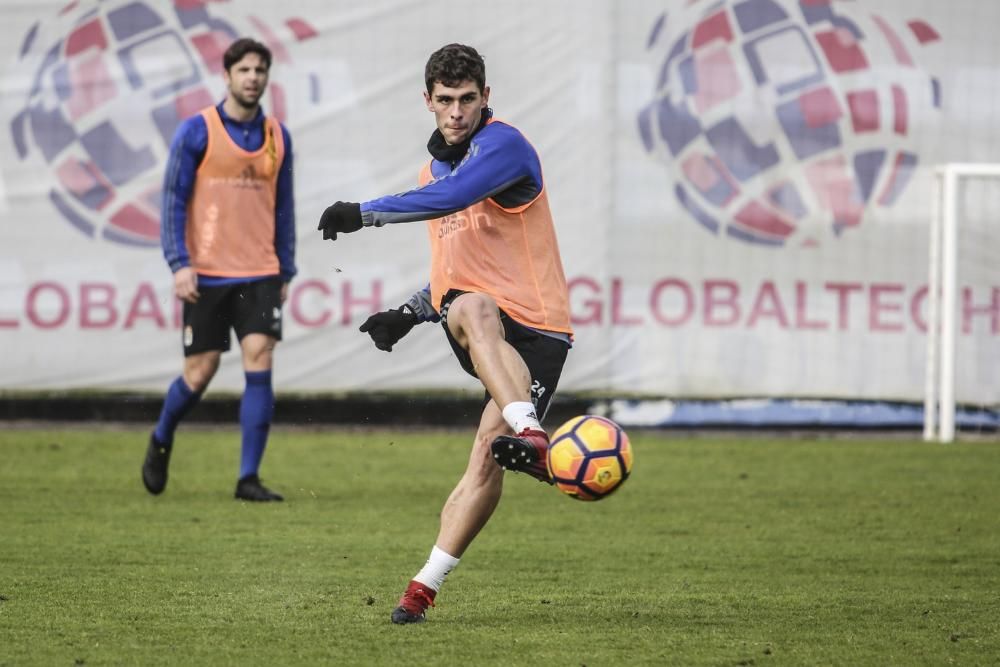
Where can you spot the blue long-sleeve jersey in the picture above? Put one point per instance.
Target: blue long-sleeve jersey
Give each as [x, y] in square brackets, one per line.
[186, 153]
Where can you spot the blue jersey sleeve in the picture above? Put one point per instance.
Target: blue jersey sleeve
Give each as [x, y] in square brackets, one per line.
[186, 151]
[284, 213]
[500, 164]
[421, 306]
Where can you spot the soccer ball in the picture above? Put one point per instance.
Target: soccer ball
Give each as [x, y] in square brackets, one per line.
[589, 457]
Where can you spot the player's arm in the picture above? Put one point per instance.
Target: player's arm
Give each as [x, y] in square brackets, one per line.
[500, 164]
[388, 326]
[186, 152]
[284, 213]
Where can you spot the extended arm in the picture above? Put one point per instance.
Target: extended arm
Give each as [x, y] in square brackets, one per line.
[500, 164]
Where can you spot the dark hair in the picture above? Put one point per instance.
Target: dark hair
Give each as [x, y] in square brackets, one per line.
[453, 64]
[243, 46]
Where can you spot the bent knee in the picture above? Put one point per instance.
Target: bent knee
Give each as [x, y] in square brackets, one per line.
[474, 316]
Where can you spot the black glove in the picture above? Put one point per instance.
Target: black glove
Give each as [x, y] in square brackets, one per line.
[387, 327]
[343, 217]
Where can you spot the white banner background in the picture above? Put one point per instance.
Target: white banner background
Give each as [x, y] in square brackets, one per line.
[662, 305]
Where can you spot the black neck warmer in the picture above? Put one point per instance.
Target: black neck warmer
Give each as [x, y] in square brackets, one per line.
[445, 152]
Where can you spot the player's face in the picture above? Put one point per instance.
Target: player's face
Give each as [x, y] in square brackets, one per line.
[457, 110]
[246, 80]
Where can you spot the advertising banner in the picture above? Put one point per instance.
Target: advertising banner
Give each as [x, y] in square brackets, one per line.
[742, 189]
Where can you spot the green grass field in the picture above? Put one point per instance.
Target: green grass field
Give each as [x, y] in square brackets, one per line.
[718, 551]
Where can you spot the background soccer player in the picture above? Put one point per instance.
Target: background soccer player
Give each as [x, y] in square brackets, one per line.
[497, 285]
[228, 234]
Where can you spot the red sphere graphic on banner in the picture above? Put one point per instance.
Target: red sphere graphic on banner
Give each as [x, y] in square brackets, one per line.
[107, 85]
[783, 121]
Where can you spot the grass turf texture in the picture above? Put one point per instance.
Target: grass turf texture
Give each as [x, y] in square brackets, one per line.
[725, 551]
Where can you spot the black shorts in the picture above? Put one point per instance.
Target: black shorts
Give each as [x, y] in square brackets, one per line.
[246, 308]
[543, 355]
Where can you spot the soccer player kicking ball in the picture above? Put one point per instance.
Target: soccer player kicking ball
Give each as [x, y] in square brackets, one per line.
[497, 285]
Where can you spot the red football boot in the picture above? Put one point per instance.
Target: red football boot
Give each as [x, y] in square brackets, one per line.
[413, 605]
[525, 452]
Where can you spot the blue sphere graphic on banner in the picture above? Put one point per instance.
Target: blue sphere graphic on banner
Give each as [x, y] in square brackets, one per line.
[783, 121]
[109, 82]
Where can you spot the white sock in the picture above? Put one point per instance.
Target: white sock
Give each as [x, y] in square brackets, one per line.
[437, 566]
[521, 415]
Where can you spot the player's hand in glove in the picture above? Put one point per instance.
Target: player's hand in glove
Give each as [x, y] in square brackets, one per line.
[387, 327]
[343, 217]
